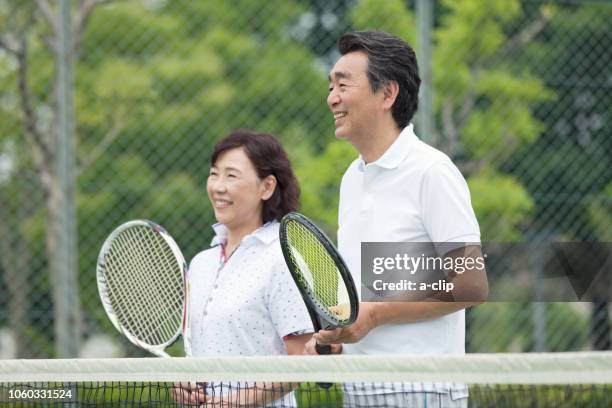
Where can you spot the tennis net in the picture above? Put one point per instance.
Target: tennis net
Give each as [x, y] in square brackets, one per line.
[582, 379]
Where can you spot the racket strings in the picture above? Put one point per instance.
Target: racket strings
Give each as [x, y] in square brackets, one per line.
[165, 281]
[134, 312]
[168, 305]
[141, 314]
[148, 305]
[147, 292]
[318, 272]
[135, 299]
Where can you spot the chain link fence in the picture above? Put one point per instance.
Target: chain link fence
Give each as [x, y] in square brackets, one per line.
[521, 101]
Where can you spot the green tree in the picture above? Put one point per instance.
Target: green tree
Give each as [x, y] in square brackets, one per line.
[32, 51]
[568, 170]
[156, 84]
[484, 106]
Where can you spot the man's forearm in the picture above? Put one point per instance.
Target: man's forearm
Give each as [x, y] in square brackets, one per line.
[411, 312]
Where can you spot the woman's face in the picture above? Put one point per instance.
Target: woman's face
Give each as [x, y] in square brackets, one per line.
[236, 192]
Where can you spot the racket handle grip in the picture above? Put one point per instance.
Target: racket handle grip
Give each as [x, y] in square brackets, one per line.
[323, 350]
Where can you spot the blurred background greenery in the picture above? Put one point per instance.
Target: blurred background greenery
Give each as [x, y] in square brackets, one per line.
[521, 102]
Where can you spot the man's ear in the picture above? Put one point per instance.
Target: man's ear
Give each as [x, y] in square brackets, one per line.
[390, 92]
[269, 185]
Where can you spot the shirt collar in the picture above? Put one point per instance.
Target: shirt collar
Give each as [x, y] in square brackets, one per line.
[265, 234]
[396, 153]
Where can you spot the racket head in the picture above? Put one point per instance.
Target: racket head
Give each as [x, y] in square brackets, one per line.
[141, 276]
[319, 272]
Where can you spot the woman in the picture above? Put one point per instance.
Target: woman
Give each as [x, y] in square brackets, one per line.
[242, 299]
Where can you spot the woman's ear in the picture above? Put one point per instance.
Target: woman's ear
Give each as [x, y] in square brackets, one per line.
[268, 186]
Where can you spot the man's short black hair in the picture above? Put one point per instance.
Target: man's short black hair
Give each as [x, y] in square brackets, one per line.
[389, 59]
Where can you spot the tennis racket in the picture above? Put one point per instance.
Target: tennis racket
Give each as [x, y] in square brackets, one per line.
[320, 274]
[141, 282]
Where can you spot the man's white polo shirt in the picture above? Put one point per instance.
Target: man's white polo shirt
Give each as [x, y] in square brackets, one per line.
[413, 193]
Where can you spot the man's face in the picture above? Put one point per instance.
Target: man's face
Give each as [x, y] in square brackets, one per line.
[355, 107]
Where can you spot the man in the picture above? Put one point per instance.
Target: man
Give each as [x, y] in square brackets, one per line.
[398, 190]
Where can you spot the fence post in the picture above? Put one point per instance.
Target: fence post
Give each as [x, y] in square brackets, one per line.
[67, 307]
[424, 21]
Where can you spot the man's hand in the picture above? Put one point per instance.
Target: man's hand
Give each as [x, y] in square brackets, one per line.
[310, 348]
[350, 334]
